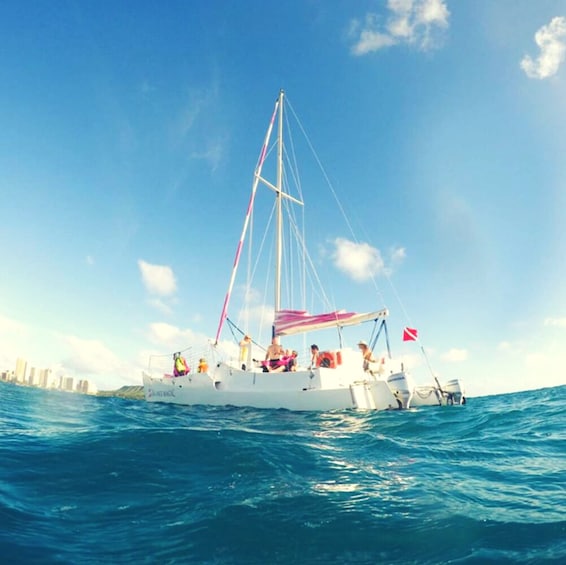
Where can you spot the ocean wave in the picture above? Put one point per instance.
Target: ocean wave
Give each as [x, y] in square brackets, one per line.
[108, 480]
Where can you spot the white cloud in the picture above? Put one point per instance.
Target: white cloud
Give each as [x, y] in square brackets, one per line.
[398, 255]
[256, 314]
[552, 50]
[360, 261]
[455, 355]
[162, 333]
[90, 356]
[410, 22]
[172, 338]
[557, 322]
[9, 326]
[212, 155]
[158, 304]
[158, 279]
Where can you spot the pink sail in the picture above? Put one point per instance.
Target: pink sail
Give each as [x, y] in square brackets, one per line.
[289, 322]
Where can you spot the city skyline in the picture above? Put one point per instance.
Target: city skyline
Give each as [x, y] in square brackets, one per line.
[44, 378]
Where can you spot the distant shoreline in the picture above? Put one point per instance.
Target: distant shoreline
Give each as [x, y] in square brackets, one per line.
[133, 392]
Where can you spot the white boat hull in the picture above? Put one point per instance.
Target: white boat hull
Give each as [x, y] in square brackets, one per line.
[319, 390]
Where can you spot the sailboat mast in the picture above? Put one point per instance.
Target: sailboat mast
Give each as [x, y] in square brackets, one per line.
[279, 207]
[257, 177]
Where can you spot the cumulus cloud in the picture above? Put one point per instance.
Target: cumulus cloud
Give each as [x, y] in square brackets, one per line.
[10, 327]
[158, 304]
[454, 355]
[168, 338]
[398, 255]
[90, 356]
[550, 40]
[409, 22]
[360, 261]
[163, 333]
[158, 279]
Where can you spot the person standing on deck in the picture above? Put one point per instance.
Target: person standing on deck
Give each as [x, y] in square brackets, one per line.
[246, 352]
[367, 355]
[180, 366]
[314, 356]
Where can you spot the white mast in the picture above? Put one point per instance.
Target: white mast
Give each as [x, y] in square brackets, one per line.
[279, 207]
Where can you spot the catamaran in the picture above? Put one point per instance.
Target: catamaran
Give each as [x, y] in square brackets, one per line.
[337, 379]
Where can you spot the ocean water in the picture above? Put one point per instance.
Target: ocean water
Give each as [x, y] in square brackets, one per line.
[108, 480]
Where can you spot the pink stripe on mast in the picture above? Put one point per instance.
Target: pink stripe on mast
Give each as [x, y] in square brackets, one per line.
[263, 154]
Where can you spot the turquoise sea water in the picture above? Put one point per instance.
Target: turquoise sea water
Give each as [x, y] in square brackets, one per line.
[107, 480]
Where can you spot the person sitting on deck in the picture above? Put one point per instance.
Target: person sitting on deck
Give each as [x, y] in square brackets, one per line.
[202, 366]
[273, 355]
[292, 362]
[180, 366]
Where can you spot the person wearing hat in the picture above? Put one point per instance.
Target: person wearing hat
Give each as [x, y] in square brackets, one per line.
[367, 354]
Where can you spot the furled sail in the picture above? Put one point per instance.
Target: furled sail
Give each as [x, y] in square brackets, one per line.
[289, 322]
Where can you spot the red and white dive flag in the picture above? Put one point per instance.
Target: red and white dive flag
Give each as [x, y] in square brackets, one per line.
[410, 334]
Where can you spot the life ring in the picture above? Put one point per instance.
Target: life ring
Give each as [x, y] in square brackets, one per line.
[326, 359]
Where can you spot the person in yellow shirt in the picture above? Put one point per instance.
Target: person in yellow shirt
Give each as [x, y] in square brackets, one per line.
[180, 366]
[245, 352]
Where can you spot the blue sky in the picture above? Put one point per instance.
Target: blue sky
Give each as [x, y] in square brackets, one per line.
[130, 132]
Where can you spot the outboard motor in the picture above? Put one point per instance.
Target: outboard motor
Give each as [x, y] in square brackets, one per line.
[399, 385]
[455, 392]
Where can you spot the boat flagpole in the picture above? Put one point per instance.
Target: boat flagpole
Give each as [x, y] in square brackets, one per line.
[257, 176]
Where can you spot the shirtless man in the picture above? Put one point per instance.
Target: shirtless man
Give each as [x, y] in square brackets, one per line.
[274, 354]
[314, 356]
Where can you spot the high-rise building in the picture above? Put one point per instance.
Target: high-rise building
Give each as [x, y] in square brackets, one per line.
[67, 383]
[44, 378]
[21, 366]
[33, 379]
[82, 386]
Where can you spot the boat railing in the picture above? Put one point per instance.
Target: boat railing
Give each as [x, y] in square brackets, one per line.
[163, 365]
